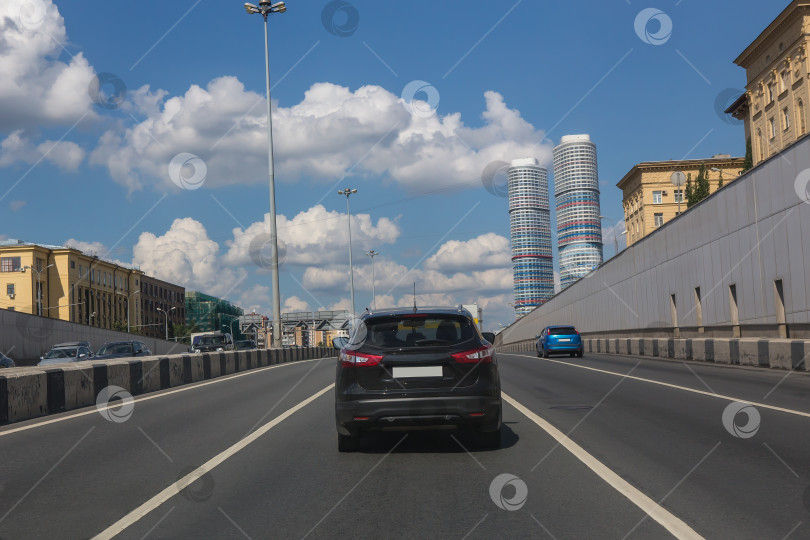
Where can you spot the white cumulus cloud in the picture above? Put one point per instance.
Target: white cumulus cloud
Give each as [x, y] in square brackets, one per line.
[487, 251]
[187, 256]
[36, 87]
[332, 132]
[16, 147]
[310, 237]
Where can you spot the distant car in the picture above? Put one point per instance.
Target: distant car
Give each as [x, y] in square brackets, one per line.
[245, 345]
[211, 342]
[62, 353]
[85, 344]
[122, 349]
[5, 361]
[559, 340]
[417, 369]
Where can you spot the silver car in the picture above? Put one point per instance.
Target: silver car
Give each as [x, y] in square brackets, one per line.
[65, 354]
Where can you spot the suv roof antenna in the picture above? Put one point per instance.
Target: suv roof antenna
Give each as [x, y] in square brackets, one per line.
[414, 297]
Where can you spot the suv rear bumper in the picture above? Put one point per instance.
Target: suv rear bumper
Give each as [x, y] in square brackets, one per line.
[418, 412]
[564, 347]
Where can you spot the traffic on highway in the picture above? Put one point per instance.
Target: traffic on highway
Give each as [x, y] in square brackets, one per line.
[593, 447]
[350, 269]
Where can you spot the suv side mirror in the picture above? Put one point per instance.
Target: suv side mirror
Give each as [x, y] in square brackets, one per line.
[489, 336]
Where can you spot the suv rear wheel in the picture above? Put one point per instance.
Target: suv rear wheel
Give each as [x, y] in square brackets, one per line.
[348, 443]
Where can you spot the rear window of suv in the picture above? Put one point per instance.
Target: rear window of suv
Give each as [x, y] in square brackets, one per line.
[415, 331]
[562, 331]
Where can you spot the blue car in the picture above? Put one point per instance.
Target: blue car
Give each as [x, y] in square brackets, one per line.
[559, 340]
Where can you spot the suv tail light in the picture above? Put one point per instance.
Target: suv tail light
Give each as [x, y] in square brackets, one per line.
[474, 356]
[357, 359]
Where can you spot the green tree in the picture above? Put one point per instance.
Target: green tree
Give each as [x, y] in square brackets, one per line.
[748, 164]
[700, 189]
[689, 191]
[720, 182]
[119, 326]
[183, 332]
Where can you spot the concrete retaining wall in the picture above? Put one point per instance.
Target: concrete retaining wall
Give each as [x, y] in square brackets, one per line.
[786, 354]
[28, 392]
[26, 337]
[734, 247]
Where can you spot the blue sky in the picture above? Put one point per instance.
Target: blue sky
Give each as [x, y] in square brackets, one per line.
[511, 79]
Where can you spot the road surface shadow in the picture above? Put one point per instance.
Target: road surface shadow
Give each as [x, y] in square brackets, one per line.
[431, 442]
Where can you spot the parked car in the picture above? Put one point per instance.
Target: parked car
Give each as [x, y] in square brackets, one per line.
[559, 340]
[5, 361]
[211, 342]
[404, 369]
[66, 352]
[122, 349]
[245, 345]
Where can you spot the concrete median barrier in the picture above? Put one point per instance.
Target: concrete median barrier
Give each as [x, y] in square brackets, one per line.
[29, 392]
[78, 386]
[784, 354]
[25, 395]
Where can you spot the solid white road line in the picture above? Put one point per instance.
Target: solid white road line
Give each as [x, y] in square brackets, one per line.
[664, 517]
[134, 516]
[185, 388]
[675, 386]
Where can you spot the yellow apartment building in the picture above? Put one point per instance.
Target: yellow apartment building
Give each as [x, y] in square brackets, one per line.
[60, 282]
[774, 106]
[650, 199]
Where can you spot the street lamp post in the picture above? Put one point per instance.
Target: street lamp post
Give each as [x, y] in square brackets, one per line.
[373, 254]
[615, 240]
[264, 9]
[230, 326]
[129, 301]
[678, 179]
[715, 169]
[348, 192]
[166, 325]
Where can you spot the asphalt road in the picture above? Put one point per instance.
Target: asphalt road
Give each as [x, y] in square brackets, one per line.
[601, 446]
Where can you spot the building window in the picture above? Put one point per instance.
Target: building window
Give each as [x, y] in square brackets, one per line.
[772, 124]
[10, 264]
[10, 289]
[802, 120]
[39, 265]
[678, 195]
[657, 198]
[785, 119]
[659, 219]
[72, 265]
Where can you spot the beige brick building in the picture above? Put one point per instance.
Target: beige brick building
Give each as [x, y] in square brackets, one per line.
[774, 106]
[60, 282]
[650, 199]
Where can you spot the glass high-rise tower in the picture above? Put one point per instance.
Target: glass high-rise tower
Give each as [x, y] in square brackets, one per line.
[576, 190]
[530, 231]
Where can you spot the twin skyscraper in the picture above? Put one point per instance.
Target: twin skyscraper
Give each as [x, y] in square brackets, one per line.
[579, 227]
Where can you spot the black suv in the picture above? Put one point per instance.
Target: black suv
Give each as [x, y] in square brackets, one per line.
[406, 368]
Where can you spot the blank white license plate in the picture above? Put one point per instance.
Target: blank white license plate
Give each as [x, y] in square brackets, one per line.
[417, 371]
[564, 339]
